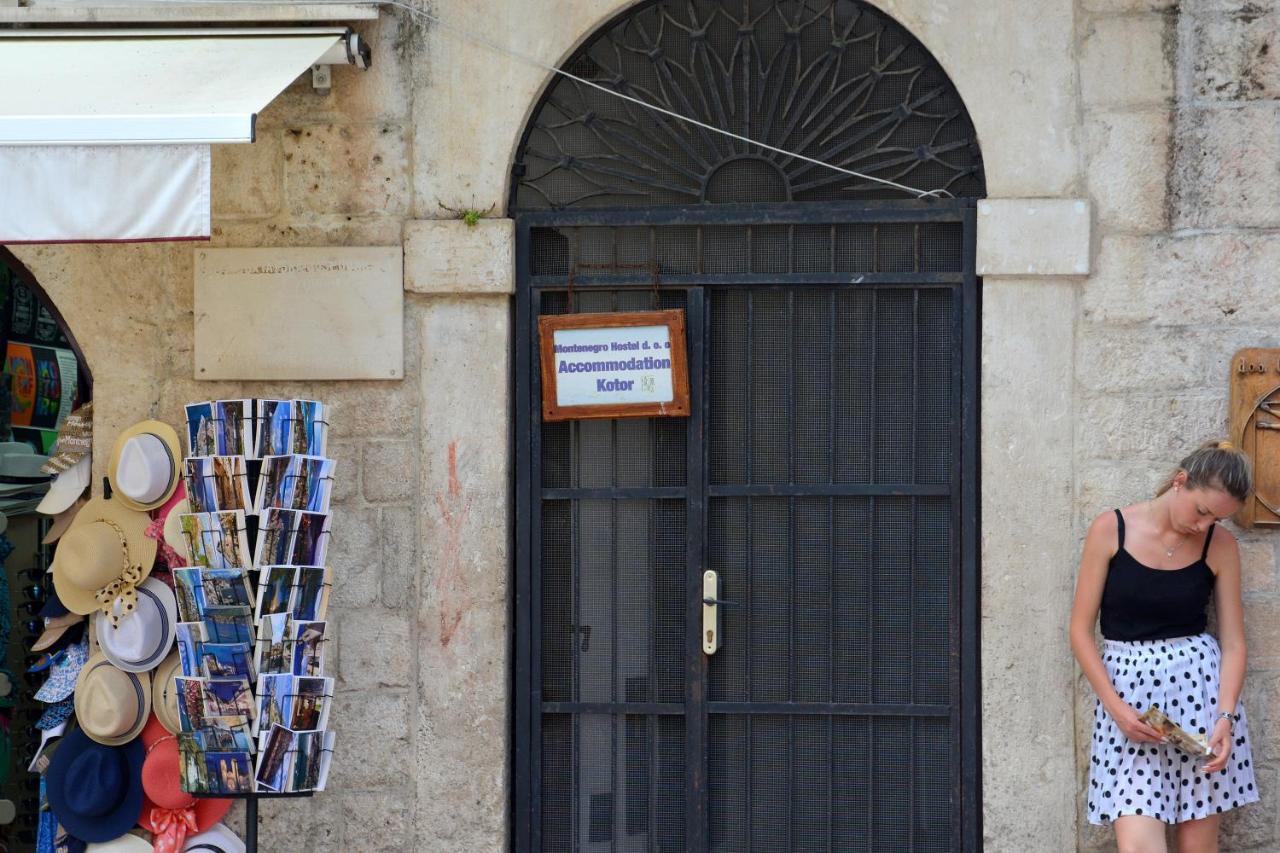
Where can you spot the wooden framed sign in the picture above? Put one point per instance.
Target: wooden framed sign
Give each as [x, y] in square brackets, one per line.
[630, 364]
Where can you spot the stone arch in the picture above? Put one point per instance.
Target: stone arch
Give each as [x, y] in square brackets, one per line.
[837, 80]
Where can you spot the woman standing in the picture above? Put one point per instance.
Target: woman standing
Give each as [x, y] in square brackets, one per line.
[1149, 570]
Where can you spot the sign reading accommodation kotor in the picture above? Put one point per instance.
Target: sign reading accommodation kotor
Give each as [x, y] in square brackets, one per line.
[630, 364]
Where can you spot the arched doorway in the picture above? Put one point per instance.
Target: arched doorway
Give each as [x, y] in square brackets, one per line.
[45, 375]
[827, 473]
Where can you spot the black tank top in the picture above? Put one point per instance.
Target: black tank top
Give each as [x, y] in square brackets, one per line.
[1141, 603]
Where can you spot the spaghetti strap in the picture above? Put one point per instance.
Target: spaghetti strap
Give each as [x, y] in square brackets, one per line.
[1204, 555]
[1120, 527]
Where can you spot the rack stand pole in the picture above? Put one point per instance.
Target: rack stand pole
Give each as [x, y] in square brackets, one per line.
[251, 825]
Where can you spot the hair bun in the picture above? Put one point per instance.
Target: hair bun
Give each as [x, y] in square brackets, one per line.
[1226, 445]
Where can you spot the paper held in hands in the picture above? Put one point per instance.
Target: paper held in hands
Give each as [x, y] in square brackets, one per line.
[1175, 734]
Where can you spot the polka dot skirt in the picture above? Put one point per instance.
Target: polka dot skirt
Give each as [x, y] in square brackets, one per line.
[1179, 675]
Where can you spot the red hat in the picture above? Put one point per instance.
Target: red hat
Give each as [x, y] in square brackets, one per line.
[165, 806]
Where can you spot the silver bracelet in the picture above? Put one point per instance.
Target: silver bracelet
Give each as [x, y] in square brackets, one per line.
[1227, 715]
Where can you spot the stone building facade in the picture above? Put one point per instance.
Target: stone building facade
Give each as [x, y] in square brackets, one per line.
[1125, 249]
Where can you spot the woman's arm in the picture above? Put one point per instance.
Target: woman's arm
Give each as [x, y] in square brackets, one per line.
[1091, 578]
[1224, 557]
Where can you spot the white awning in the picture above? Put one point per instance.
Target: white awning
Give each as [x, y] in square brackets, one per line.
[114, 87]
[104, 134]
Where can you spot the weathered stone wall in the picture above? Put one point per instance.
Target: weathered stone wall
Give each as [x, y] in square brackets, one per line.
[1183, 166]
[1162, 115]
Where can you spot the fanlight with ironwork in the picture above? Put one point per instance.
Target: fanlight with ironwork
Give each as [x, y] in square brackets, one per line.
[834, 80]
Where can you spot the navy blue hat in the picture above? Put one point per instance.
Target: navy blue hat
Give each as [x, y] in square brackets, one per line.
[53, 606]
[95, 791]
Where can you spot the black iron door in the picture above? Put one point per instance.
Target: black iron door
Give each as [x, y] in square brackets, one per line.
[827, 474]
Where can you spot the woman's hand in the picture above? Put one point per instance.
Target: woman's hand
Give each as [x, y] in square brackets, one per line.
[1220, 742]
[1134, 729]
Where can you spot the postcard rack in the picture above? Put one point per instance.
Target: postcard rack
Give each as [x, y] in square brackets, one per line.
[256, 576]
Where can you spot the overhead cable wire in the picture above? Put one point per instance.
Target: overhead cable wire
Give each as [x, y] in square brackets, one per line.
[545, 66]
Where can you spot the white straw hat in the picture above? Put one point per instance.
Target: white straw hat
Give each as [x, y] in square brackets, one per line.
[143, 470]
[144, 637]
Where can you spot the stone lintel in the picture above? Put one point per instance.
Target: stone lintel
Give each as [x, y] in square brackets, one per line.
[1033, 236]
[450, 256]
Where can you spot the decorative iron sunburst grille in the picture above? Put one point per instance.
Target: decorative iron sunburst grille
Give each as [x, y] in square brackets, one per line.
[835, 80]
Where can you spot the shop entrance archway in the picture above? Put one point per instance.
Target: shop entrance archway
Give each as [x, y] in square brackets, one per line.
[828, 471]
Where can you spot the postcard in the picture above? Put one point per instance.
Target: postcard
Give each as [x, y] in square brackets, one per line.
[275, 589]
[188, 588]
[197, 474]
[201, 440]
[233, 420]
[276, 531]
[311, 703]
[228, 697]
[230, 483]
[275, 484]
[273, 759]
[310, 544]
[190, 693]
[275, 702]
[230, 772]
[227, 734]
[311, 599]
[226, 588]
[228, 625]
[271, 656]
[223, 660]
[308, 648]
[194, 775]
[307, 759]
[312, 483]
[275, 428]
[226, 540]
[191, 637]
[326, 756]
[310, 432]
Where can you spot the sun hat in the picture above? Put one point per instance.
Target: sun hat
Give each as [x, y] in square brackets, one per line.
[112, 705]
[127, 843]
[55, 629]
[74, 442]
[164, 694]
[143, 470]
[20, 468]
[66, 487]
[102, 557]
[142, 638]
[63, 520]
[167, 810]
[63, 674]
[95, 790]
[173, 534]
[53, 606]
[56, 714]
[217, 839]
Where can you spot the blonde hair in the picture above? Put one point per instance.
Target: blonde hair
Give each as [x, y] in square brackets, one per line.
[1216, 464]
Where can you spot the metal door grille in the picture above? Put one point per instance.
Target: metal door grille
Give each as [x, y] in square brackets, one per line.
[827, 472]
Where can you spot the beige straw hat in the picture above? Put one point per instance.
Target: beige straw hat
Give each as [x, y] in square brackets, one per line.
[164, 695]
[102, 558]
[112, 705]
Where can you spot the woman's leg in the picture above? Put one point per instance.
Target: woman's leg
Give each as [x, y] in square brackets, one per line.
[1199, 836]
[1141, 834]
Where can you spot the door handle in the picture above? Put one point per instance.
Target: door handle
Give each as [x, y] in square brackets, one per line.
[711, 604]
[710, 612]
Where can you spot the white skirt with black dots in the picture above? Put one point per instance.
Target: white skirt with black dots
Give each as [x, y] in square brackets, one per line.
[1179, 675]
